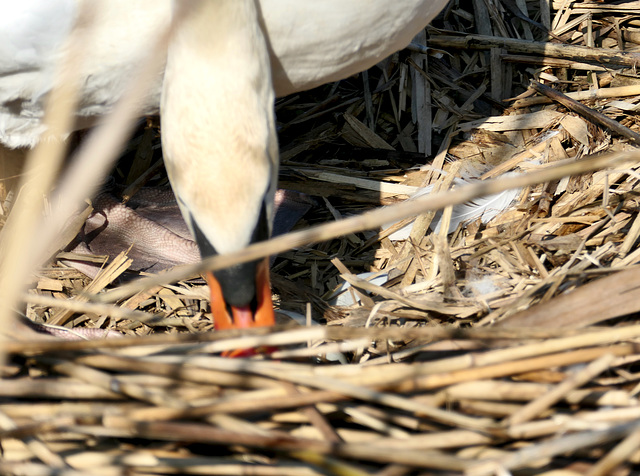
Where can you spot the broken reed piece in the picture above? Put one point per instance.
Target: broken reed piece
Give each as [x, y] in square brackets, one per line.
[591, 94]
[588, 113]
[581, 54]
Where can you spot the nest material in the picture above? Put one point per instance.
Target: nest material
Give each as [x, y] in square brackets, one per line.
[478, 354]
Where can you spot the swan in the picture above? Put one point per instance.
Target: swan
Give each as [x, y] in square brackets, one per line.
[226, 63]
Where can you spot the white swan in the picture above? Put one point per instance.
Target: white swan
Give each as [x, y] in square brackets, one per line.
[225, 64]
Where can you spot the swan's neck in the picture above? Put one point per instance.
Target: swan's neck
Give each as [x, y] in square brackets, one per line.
[218, 128]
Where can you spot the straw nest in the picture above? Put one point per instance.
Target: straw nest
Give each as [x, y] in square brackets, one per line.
[501, 345]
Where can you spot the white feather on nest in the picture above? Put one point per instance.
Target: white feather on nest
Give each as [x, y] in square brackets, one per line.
[485, 208]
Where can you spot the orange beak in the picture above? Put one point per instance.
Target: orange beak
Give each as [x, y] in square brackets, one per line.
[244, 317]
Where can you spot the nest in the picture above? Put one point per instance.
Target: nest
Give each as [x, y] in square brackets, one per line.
[499, 341]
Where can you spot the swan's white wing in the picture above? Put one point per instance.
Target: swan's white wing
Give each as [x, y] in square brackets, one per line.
[316, 42]
[33, 36]
[31, 33]
[312, 42]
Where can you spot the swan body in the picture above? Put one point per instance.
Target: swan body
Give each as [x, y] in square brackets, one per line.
[310, 43]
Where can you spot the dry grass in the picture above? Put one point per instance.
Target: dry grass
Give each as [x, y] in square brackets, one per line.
[502, 347]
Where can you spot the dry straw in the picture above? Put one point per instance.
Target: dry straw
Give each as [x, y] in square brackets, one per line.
[479, 355]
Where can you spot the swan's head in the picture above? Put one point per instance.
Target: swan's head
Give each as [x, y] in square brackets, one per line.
[236, 213]
[225, 189]
[220, 147]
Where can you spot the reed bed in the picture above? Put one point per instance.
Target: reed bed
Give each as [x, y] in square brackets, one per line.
[504, 343]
